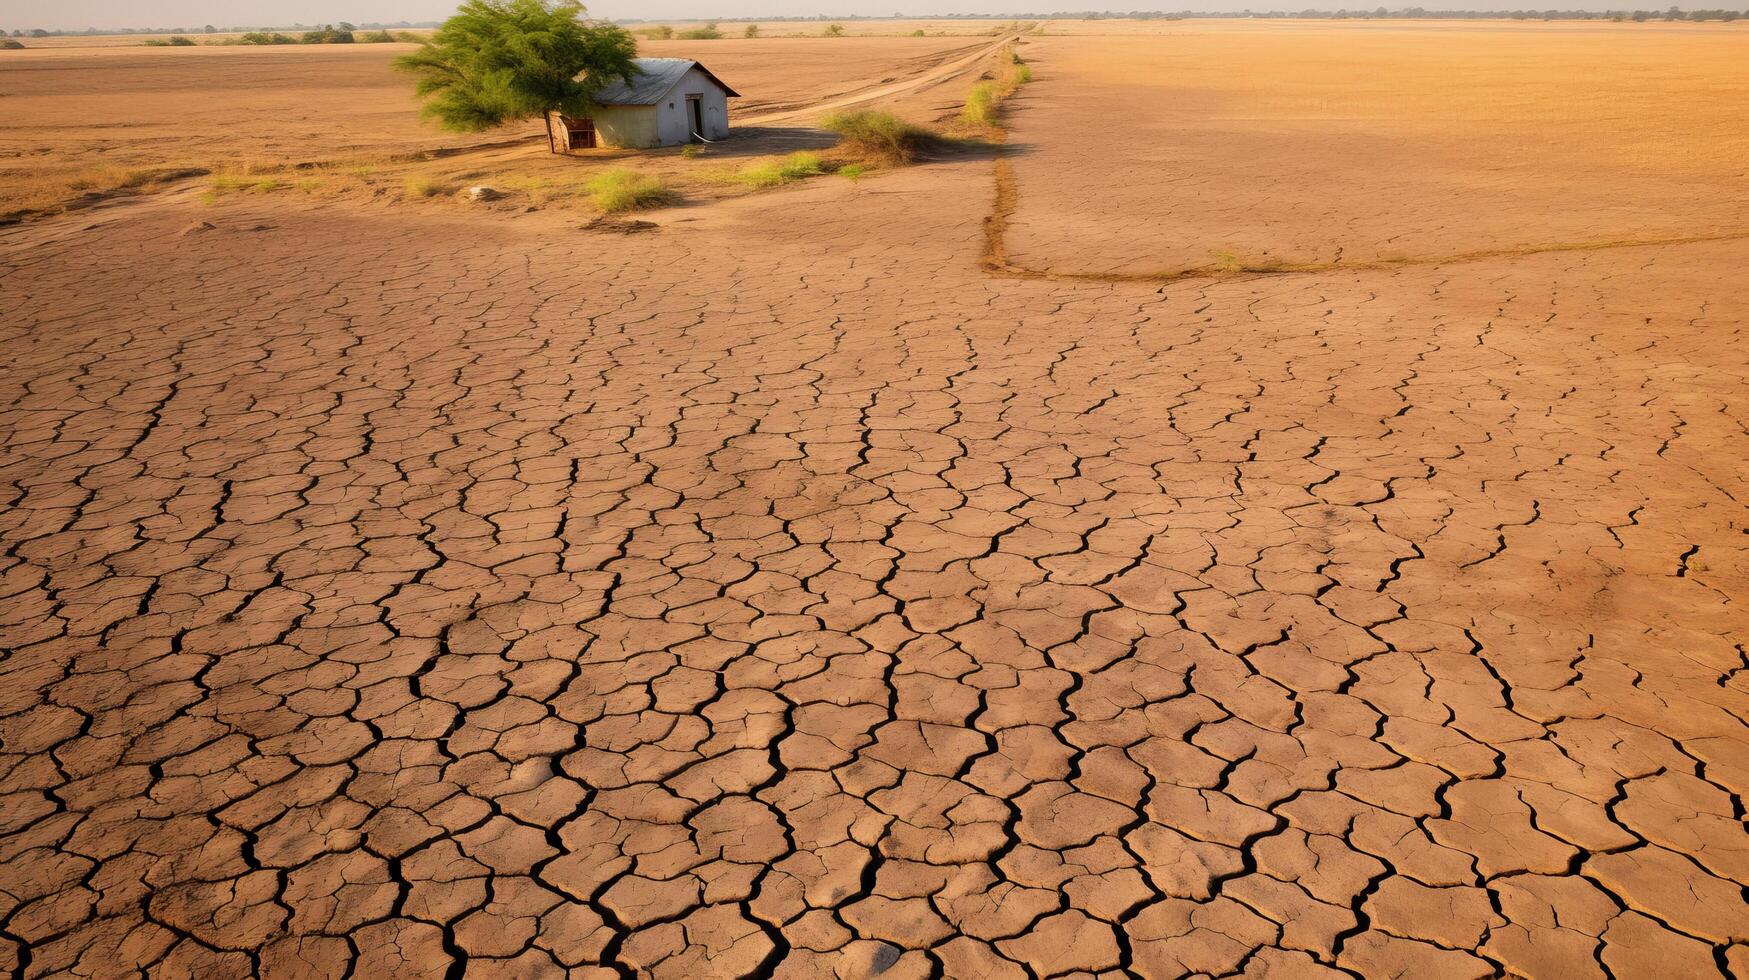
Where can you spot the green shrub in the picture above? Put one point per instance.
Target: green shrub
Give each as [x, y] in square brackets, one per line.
[776, 173]
[980, 107]
[329, 34]
[833, 30]
[624, 190]
[661, 32]
[852, 171]
[378, 37]
[175, 42]
[751, 31]
[708, 32]
[918, 33]
[880, 135]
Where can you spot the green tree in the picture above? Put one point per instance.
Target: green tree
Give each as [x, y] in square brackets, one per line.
[497, 61]
[751, 31]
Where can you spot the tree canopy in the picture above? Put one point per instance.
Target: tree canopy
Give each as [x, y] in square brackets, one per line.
[497, 61]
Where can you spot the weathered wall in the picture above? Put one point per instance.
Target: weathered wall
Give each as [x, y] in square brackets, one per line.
[626, 125]
[674, 128]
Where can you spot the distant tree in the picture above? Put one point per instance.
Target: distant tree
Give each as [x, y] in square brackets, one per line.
[751, 31]
[497, 61]
[329, 34]
[833, 30]
[708, 32]
[39, 32]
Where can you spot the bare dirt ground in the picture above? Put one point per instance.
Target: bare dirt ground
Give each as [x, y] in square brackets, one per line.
[783, 592]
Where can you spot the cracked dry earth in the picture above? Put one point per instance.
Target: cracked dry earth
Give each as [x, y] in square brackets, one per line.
[407, 597]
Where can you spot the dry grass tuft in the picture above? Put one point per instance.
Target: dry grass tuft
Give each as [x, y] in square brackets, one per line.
[776, 173]
[424, 187]
[627, 190]
[879, 136]
[984, 101]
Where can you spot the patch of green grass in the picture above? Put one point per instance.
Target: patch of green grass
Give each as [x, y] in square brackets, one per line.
[878, 135]
[692, 151]
[784, 170]
[853, 171]
[626, 190]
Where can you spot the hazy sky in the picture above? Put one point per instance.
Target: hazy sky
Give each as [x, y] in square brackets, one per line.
[61, 14]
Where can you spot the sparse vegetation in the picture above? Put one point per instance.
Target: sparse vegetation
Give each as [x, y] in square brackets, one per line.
[986, 96]
[853, 171]
[626, 190]
[262, 37]
[751, 31]
[784, 170]
[980, 108]
[879, 136]
[424, 187]
[329, 34]
[708, 32]
[692, 151]
[10, 45]
[833, 30]
[220, 185]
[660, 32]
[171, 42]
[918, 33]
[377, 37]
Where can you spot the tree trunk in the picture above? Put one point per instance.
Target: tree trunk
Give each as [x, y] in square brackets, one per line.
[552, 147]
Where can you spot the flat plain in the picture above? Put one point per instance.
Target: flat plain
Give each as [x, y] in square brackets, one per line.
[1276, 508]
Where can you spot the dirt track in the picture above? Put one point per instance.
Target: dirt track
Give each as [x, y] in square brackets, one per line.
[755, 596]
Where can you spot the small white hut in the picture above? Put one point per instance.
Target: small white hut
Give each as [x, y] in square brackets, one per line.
[668, 102]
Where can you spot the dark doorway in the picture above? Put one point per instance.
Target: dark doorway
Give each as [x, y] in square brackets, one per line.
[695, 111]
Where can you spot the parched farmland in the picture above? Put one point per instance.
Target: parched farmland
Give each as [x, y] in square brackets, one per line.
[1236, 517]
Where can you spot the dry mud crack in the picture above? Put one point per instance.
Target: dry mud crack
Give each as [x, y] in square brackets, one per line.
[417, 598]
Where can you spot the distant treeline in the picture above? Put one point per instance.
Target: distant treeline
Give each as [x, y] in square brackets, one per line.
[1407, 13]
[299, 29]
[378, 32]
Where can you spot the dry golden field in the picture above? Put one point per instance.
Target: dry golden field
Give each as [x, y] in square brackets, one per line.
[1273, 505]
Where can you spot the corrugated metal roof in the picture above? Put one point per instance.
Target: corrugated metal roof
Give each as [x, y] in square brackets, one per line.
[656, 76]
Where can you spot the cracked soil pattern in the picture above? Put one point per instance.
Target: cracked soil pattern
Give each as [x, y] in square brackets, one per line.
[417, 597]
